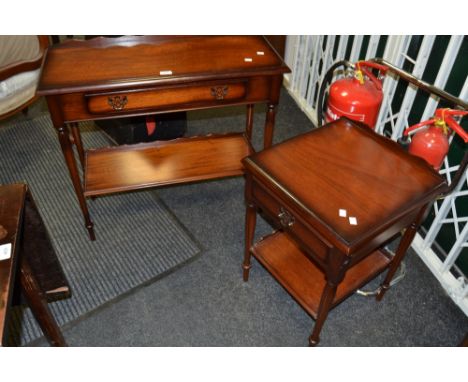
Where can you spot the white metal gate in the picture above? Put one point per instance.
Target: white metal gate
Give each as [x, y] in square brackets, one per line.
[309, 57]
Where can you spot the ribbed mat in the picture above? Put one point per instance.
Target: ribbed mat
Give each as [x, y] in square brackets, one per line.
[137, 238]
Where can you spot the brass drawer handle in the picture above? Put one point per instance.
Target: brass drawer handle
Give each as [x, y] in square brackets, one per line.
[117, 102]
[219, 92]
[286, 219]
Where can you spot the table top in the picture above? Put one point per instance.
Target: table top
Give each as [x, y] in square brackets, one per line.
[11, 206]
[125, 62]
[346, 169]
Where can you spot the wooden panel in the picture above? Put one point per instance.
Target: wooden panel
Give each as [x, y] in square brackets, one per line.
[301, 277]
[141, 100]
[74, 107]
[11, 212]
[301, 232]
[278, 42]
[105, 63]
[345, 166]
[145, 165]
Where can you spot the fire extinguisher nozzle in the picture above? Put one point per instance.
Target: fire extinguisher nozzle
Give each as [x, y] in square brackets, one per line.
[404, 142]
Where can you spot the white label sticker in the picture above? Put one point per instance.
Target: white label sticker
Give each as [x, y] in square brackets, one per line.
[5, 251]
[165, 73]
[260, 53]
[352, 220]
[248, 59]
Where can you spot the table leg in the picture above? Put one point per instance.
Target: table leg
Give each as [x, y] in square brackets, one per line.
[464, 343]
[78, 143]
[249, 122]
[405, 242]
[72, 168]
[269, 125]
[326, 301]
[250, 223]
[38, 304]
[337, 264]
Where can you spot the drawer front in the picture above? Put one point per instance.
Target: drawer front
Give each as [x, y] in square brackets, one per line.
[290, 222]
[122, 102]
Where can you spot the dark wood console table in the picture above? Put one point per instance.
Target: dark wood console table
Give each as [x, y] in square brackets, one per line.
[115, 77]
[337, 195]
[25, 249]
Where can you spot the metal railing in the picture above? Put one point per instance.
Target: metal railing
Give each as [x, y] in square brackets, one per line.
[311, 56]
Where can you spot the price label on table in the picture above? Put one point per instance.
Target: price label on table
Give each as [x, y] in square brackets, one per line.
[5, 251]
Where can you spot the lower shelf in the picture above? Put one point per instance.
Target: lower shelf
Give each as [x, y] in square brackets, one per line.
[131, 167]
[303, 279]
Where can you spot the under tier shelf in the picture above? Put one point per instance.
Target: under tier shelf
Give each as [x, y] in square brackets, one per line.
[131, 167]
[303, 279]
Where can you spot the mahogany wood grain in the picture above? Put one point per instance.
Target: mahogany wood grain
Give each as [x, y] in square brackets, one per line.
[249, 121]
[301, 277]
[11, 213]
[78, 143]
[278, 42]
[250, 221]
[67, 150]
[274, 204]
[140, 100]
[405, 242]
[94, 105]
[37, 301]
[128, 76]
[301, 185]
[326, 302]
[22, 224]
[345, 166]
[270, 122]
[131, 167]
[104, 63]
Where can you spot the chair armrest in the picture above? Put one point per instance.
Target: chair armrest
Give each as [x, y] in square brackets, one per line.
[21, 54]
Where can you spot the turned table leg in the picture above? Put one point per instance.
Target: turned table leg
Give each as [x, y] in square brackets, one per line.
[67, 150]
[38, 304]
[326, 301]
[403, 246]
[250, 222]
[73, 169]
[249, 121]
[337, 264]
[78, 143]
[269, 125]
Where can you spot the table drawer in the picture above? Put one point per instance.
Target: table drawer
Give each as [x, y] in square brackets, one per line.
[122, 102]
[290, 222]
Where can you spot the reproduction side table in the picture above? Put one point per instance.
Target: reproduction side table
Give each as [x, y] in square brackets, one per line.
[138, 75]
[25, 249]
[337, 195]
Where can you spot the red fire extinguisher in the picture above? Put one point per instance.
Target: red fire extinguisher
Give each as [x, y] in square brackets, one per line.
[358, 97]
[430, 139]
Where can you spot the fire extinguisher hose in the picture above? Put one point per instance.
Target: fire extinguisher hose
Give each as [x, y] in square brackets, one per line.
[457, 128]
[327, 78]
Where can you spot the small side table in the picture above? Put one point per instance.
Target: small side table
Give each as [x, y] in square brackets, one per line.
[337, 195]
[27, 250]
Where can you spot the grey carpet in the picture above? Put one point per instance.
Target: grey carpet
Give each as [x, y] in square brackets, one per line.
[138, 239]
